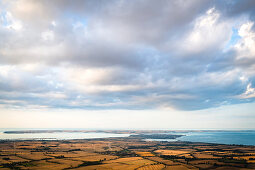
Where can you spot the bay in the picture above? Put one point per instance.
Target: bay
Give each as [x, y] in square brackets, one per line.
[55, 135]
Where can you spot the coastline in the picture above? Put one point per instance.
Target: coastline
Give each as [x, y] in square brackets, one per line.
[246, 137]
[116, 152]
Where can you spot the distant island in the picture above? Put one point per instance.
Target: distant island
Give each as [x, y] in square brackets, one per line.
[134, 134]
[40, 131]
[156, 136]
[95, 131]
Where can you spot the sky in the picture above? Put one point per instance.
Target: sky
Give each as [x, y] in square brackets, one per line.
[116, 64]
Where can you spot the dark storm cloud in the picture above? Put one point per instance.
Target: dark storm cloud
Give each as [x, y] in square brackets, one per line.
[126, 54]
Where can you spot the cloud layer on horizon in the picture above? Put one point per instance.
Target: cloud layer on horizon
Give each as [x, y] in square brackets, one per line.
[94, 54]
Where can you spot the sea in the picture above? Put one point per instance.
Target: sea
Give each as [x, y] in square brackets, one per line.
[220, 137]
[217, 137]
[55, 135]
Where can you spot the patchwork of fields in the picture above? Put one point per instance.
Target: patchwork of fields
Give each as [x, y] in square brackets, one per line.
[123, 153]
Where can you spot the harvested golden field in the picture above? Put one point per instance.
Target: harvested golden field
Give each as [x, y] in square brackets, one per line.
[196, 162]
[94, 158]
[178, 167]
[245, 157]
[144, 154]
[71, 154]
[11, 159]
[251, 161]
[122, 163]
[186, 155]
[170, 152]
[163, 161]
[131, 161]
[152, 167]
[204, 166]
[113, 166]
[68, 162]
[204, 156]
[227, 168]
[34, 155]
[44, 165]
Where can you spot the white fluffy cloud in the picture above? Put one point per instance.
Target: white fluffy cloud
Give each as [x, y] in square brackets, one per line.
[209, 33]
[128, 55]
[245, 47]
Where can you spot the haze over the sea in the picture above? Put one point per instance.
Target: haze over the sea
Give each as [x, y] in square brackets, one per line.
[179, 64]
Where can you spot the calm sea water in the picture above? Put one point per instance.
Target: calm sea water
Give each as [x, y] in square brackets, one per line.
[55, 135]
[226, 137]
[220, 137]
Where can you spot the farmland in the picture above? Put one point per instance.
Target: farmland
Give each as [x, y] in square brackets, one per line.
[123, 153]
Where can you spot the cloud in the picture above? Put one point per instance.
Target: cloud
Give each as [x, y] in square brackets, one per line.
[245, 47]
[94, 54]
[208, 34]
[249, 93]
